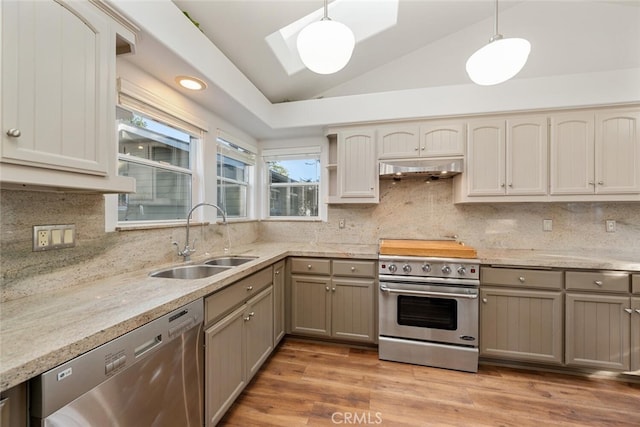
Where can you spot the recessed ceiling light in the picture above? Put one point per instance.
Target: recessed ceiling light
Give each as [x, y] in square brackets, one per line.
[191, 83]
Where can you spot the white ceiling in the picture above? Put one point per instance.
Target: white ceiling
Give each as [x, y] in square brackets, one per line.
[427, 48]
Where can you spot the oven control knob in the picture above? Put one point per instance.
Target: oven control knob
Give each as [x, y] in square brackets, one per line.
[393, 268]
[426, 268]
[406, 268]
[462, 271]
[446, 269]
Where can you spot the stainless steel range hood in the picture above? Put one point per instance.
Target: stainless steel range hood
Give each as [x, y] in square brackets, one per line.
[430, 168]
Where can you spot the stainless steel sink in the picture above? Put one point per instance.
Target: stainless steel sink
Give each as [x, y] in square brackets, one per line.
[190, 271]
[230, 261]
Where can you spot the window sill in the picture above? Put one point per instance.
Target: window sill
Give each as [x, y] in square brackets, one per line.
[293, 219]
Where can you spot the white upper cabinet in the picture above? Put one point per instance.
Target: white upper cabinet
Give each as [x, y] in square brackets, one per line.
[595, 153]
[485, 158]
[430, 139]
[357, 166]
[442, 139]
[507, 157]
[617, 152]
[58, 79]
[398, 142]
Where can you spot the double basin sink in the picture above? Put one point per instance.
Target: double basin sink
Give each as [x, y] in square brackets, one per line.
[206, 269]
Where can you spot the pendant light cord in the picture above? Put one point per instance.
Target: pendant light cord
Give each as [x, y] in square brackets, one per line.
[496, 34]
[326, 11]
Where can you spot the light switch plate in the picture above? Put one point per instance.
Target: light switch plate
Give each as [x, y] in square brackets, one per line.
[547, 225]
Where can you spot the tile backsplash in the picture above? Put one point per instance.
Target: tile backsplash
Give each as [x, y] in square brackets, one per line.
[409, 209]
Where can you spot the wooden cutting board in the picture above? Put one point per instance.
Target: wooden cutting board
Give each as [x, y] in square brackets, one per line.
[435, 248]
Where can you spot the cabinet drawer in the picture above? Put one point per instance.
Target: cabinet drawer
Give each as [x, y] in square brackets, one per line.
[351, 268]
[225, 300]
[635, 283]
[517, 277]
[311, 265]
[610, 281]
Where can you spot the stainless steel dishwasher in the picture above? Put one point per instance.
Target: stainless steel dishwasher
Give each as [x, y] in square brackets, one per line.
[151, 376]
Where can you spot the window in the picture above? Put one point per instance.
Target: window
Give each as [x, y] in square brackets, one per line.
[294, 186]
[234, 169]
[159, 157]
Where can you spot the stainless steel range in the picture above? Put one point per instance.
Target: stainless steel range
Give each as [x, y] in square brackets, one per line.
[428, 310]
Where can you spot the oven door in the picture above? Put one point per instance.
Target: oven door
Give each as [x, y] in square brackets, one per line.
[428, 312]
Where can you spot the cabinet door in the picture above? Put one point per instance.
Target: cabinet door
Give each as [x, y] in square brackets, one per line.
[597, 331]
[357, 166]
[572, 153]
[311, 305]
[353, 309]
[617, 152]
[521, 325]
[486, 158]
[635, 334]
[398, 142]
[225, 370]
[526, 156]
[442, 139]
[258, 318]
[278, 303]
[55, 74]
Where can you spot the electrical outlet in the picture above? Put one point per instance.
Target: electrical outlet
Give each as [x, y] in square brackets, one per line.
[547, 225]
[610, 226]
[46, 237]
[43, 238]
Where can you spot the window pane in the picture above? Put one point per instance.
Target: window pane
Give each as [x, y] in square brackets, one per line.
[232, 169]
[294, 201]
[143, 137]
[232, 198]
[160, 194]
[299, 170]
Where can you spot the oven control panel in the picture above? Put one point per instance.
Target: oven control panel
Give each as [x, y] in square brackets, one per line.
[455, 268]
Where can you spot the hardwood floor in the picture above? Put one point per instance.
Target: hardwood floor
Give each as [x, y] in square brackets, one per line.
[316, 384]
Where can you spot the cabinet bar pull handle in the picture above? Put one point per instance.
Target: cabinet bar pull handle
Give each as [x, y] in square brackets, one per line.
[598, 282]
[14, 133]
[628, 310]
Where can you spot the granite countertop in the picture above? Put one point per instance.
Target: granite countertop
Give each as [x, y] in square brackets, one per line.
[41, 331]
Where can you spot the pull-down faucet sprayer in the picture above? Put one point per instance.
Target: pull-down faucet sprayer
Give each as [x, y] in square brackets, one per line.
[187, 251]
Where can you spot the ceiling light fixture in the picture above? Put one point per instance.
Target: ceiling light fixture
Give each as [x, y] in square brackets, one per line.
[499, 60]
[326, 46]
[191, 83]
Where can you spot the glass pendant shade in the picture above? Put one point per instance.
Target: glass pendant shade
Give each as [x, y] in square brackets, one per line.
[498, 61]
[325, 47]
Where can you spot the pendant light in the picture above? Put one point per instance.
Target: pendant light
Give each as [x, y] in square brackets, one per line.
[499, 60]
[325, 47]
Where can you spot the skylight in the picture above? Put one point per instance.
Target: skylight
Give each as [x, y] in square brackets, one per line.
[364, 17]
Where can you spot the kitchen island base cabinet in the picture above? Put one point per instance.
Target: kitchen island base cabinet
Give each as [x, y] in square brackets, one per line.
[236, 348]
[521, 325]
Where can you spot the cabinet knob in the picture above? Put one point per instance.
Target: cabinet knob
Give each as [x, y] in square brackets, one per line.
[333, 289]
[308, 266]
[484, 300]
[592, 183]
[277, 272]
[638, 310]
[628, 310]
[511, 184]
[326, 288]
[249, 288]
[416, 149]
[502, 185]
[598, 282]
[600, 182]
[14, 133]
[521, 279]
[353, 269]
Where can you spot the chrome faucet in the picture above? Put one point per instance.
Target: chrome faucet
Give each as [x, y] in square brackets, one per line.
[187, 251]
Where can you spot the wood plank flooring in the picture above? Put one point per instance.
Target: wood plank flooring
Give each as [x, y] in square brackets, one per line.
[316, 384]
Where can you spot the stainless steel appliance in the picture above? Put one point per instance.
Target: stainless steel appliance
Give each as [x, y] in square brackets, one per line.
[428, 310]
[151, 376]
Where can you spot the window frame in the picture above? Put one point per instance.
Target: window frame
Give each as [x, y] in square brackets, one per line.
[293, 153]
[232, 148]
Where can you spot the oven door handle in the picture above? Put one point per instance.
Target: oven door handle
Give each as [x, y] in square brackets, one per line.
[426, 293]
